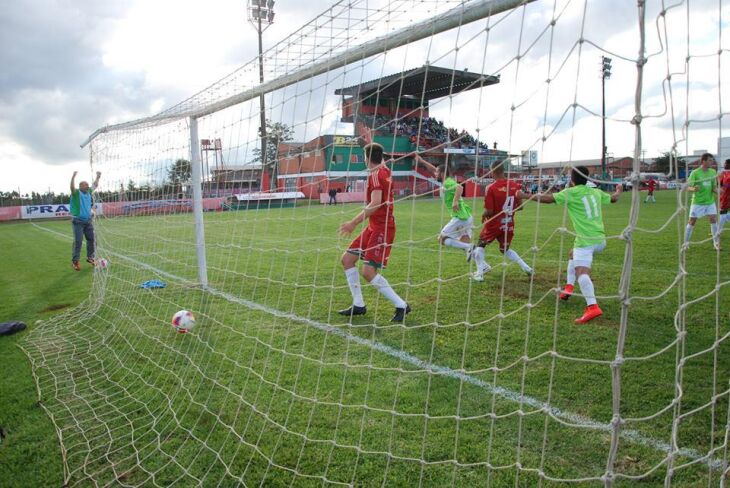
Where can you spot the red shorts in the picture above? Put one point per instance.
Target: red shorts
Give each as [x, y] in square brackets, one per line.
[503, 238]
[373, 245]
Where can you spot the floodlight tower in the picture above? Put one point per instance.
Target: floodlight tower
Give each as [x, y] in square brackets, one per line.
[605, 74]
[261, 16]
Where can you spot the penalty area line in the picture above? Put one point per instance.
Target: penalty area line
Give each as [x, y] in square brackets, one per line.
[578, 420]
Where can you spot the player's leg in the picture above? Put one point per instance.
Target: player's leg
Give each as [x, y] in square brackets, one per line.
[466, 237]
[485, 237]
[451, 235]
[78, 230]
[504, 247]
[570, 279]
[349, 264]
[482, 265]
[583, 257]
[693, 214]
[724, 217]
[90, 242]
[714, 227]
[376, 257]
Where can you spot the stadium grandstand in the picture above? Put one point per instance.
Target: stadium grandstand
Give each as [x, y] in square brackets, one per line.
[396, 109]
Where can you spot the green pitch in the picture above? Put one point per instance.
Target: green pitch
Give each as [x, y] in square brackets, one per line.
[265, 391]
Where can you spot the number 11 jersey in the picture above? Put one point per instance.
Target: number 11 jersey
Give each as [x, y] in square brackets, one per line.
[584, 209]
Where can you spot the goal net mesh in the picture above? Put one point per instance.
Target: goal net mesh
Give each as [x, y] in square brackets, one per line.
[486, 383]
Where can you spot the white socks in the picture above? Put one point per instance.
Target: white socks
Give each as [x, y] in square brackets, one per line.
[456, 243]
[382, 285]
[723, 218]
[688, 233]
[715, 233]
[353, 280]
[514, 257]
[478, 256]
[571, 272]
[586, 288]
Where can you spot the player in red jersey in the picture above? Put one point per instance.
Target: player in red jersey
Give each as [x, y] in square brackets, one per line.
[375, 241]
[502, 199]
[723, 182]
[651, 185]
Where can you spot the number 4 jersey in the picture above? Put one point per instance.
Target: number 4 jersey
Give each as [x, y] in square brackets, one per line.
[501, 199]
[584, 209]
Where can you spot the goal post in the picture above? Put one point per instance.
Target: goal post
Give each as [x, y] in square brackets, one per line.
[502, 373]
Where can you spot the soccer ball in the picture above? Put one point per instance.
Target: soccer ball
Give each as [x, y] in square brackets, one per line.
[101, 263]
[183, 321]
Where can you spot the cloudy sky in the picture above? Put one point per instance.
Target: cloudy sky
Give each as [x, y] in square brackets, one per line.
[70, 67]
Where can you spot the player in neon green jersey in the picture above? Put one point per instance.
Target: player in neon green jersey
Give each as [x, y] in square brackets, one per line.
[584, 209]
[702, 183]
[457, 232]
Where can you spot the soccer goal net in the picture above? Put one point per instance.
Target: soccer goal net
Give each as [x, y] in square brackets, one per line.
[489, 380]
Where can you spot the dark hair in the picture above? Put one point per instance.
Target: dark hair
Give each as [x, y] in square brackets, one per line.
[498, 165]
[579, 175]
[707, 156]
[727, 164]
[374, 153]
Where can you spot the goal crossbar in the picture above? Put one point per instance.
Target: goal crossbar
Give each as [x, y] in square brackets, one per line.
[464, 14]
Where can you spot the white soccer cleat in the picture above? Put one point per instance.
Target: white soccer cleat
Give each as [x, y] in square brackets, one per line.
[529, 271]
[478, 275]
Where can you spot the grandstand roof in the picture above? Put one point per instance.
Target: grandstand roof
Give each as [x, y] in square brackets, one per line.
[439, 82]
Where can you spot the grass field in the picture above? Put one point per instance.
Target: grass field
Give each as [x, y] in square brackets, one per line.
[273, 389]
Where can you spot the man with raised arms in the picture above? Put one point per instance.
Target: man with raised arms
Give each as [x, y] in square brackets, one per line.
[584, 209]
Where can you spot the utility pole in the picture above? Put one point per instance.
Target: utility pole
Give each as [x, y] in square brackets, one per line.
[605, 74]
[261, 16]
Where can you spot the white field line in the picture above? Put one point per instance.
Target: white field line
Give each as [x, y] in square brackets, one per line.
[576, 419]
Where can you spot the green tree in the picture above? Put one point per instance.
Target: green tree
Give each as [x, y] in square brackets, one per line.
[180, 173]
[276, 133]
[662, 163]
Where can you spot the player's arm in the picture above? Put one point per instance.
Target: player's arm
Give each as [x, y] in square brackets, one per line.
[420, 160]
[691, 187]
[96, 180]
[520, 198]
[488, 206]
[376, 199]
[457, 196]
[616, 194]
[73, 182]
[541, 197]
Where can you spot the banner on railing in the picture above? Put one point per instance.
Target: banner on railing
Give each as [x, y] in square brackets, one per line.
[43, 211]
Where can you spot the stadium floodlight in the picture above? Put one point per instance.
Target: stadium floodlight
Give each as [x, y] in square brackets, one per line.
[605, 73]
[261, 16]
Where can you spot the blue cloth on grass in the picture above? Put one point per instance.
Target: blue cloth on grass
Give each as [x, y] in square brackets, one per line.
[152, 284]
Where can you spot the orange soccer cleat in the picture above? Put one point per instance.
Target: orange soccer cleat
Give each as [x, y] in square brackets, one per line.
[591, 312]
[75, 265]
[566, 293]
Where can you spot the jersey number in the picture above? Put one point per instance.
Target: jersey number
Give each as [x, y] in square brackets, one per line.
[509, 205]
[591, 207]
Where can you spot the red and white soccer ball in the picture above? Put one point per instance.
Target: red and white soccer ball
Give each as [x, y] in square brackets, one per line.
[102, 263]
[183, 321]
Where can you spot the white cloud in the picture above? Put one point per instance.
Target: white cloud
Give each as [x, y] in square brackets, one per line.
[91, 64]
